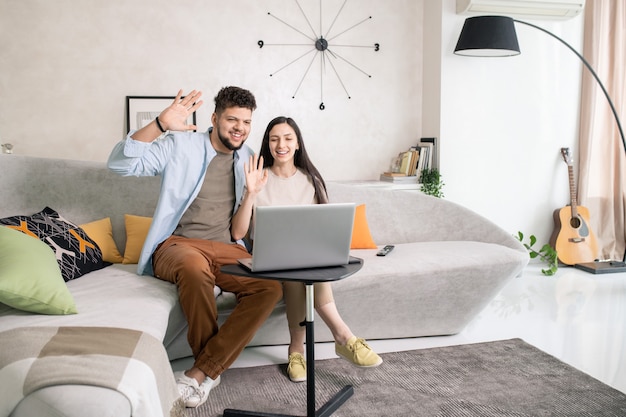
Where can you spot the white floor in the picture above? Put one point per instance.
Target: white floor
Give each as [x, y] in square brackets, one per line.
[578, 317]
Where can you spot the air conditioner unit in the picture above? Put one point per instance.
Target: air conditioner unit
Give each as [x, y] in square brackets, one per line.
[526, 9]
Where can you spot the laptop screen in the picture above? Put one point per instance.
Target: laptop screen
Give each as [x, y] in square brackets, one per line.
[302, 236]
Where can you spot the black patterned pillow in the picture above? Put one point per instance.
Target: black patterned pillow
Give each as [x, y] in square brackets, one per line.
[76, 253]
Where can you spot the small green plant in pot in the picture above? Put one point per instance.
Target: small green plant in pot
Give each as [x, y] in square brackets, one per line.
[547, 253]
[432, 183]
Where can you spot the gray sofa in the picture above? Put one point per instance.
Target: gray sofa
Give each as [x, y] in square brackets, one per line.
[448, 263]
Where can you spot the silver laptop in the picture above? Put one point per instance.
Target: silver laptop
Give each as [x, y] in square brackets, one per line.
[298, 237]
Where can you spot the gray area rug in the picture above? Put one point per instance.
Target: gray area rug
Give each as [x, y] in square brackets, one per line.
[502, 378]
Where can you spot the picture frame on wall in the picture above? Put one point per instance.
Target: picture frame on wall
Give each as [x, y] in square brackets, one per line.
[141, 110]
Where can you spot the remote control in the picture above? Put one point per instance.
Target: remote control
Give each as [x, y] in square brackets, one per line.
[384, 251]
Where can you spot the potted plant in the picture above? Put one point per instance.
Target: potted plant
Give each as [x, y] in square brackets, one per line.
[431, 182]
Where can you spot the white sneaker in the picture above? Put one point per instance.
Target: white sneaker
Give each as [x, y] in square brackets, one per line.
[193, 394]
[186, 386]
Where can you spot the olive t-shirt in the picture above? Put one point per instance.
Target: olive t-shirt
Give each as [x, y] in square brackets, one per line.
[209, 215]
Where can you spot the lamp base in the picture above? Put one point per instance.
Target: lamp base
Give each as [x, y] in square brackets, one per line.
[602, 267]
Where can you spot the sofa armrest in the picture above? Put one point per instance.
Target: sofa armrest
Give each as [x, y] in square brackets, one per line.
[404, 217]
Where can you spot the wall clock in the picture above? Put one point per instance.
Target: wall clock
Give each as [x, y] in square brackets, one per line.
[321, 45]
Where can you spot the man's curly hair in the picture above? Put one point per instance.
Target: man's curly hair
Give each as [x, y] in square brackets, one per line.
[234, 97]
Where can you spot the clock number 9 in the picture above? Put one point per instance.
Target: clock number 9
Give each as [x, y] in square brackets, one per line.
[260, 43]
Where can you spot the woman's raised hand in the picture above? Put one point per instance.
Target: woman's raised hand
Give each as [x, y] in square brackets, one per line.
[256, 176]
[176, 115]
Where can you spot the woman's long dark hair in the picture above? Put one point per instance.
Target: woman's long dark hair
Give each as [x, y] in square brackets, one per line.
[301, 158]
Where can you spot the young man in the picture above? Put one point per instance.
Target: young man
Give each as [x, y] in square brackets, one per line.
[202, 182]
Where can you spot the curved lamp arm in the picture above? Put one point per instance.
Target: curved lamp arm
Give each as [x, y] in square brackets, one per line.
[606, 94]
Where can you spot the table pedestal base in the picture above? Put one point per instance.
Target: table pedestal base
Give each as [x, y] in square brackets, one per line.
[331, 405]
[326, 410]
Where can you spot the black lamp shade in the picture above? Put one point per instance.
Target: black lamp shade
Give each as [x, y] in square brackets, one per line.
[488, 36]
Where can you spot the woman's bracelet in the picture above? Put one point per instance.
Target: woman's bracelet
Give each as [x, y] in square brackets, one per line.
[158, 123]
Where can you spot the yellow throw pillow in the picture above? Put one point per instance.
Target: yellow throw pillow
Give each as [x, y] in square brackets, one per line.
[101, 232]
[136, 231]
[361, 235]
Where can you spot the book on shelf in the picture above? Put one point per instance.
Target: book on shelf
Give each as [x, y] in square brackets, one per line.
[407, 161]
[426, 150]
[415, 155]
[434, 156]
[407, 167]
[394, 174]
[398, 179]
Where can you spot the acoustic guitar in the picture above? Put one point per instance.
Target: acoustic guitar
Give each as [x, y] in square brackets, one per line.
[573, 239]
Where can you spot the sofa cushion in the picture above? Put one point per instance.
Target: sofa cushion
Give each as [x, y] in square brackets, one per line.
[114, 296]
[361, 236]
[438, 285]
[30, 278]
[101, 232]
[136, 231]
[75, 252]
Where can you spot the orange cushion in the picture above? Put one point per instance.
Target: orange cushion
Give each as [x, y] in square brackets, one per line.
[136, 231]
[361, 236]
[102, 233]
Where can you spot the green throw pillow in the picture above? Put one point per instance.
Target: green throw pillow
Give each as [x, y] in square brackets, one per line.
[30, 277]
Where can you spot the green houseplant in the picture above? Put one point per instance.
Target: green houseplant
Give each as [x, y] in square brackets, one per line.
[431, 182]
[547, 253]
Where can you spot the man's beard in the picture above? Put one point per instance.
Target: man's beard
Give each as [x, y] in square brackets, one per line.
[226, 142]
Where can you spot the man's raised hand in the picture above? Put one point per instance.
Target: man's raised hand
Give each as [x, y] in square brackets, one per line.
[176, 115]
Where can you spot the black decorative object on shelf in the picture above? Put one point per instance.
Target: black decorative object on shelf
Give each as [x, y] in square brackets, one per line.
[322, 46]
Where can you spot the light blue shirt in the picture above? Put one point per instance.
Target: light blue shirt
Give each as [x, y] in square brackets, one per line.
[181, 158]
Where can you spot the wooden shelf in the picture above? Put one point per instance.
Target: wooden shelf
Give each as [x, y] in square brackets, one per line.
[383, 184]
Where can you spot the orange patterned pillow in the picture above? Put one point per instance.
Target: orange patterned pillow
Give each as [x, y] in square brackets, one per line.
[77, 254]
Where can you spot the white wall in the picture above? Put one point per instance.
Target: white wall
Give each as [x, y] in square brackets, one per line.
[67, 65]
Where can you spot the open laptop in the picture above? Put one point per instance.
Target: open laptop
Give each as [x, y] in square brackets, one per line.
[298, 237]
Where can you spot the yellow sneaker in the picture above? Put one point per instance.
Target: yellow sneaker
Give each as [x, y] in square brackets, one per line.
[296, 369]
[358, 352]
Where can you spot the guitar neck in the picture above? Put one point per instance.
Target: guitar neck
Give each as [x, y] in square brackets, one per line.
[572, 190]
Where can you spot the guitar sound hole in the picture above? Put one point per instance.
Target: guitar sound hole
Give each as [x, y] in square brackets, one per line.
[575, 222]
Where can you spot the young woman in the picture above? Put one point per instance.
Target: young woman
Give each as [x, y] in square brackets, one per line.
[283, 174]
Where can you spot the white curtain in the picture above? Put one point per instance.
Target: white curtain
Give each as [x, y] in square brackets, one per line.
[602, 161]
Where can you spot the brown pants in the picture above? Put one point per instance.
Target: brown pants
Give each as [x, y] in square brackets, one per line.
[194, 266]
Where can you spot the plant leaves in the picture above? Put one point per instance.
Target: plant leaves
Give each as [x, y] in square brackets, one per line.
[547, 254]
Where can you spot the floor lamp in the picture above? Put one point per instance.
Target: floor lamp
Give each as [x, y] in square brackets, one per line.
[495, 36]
